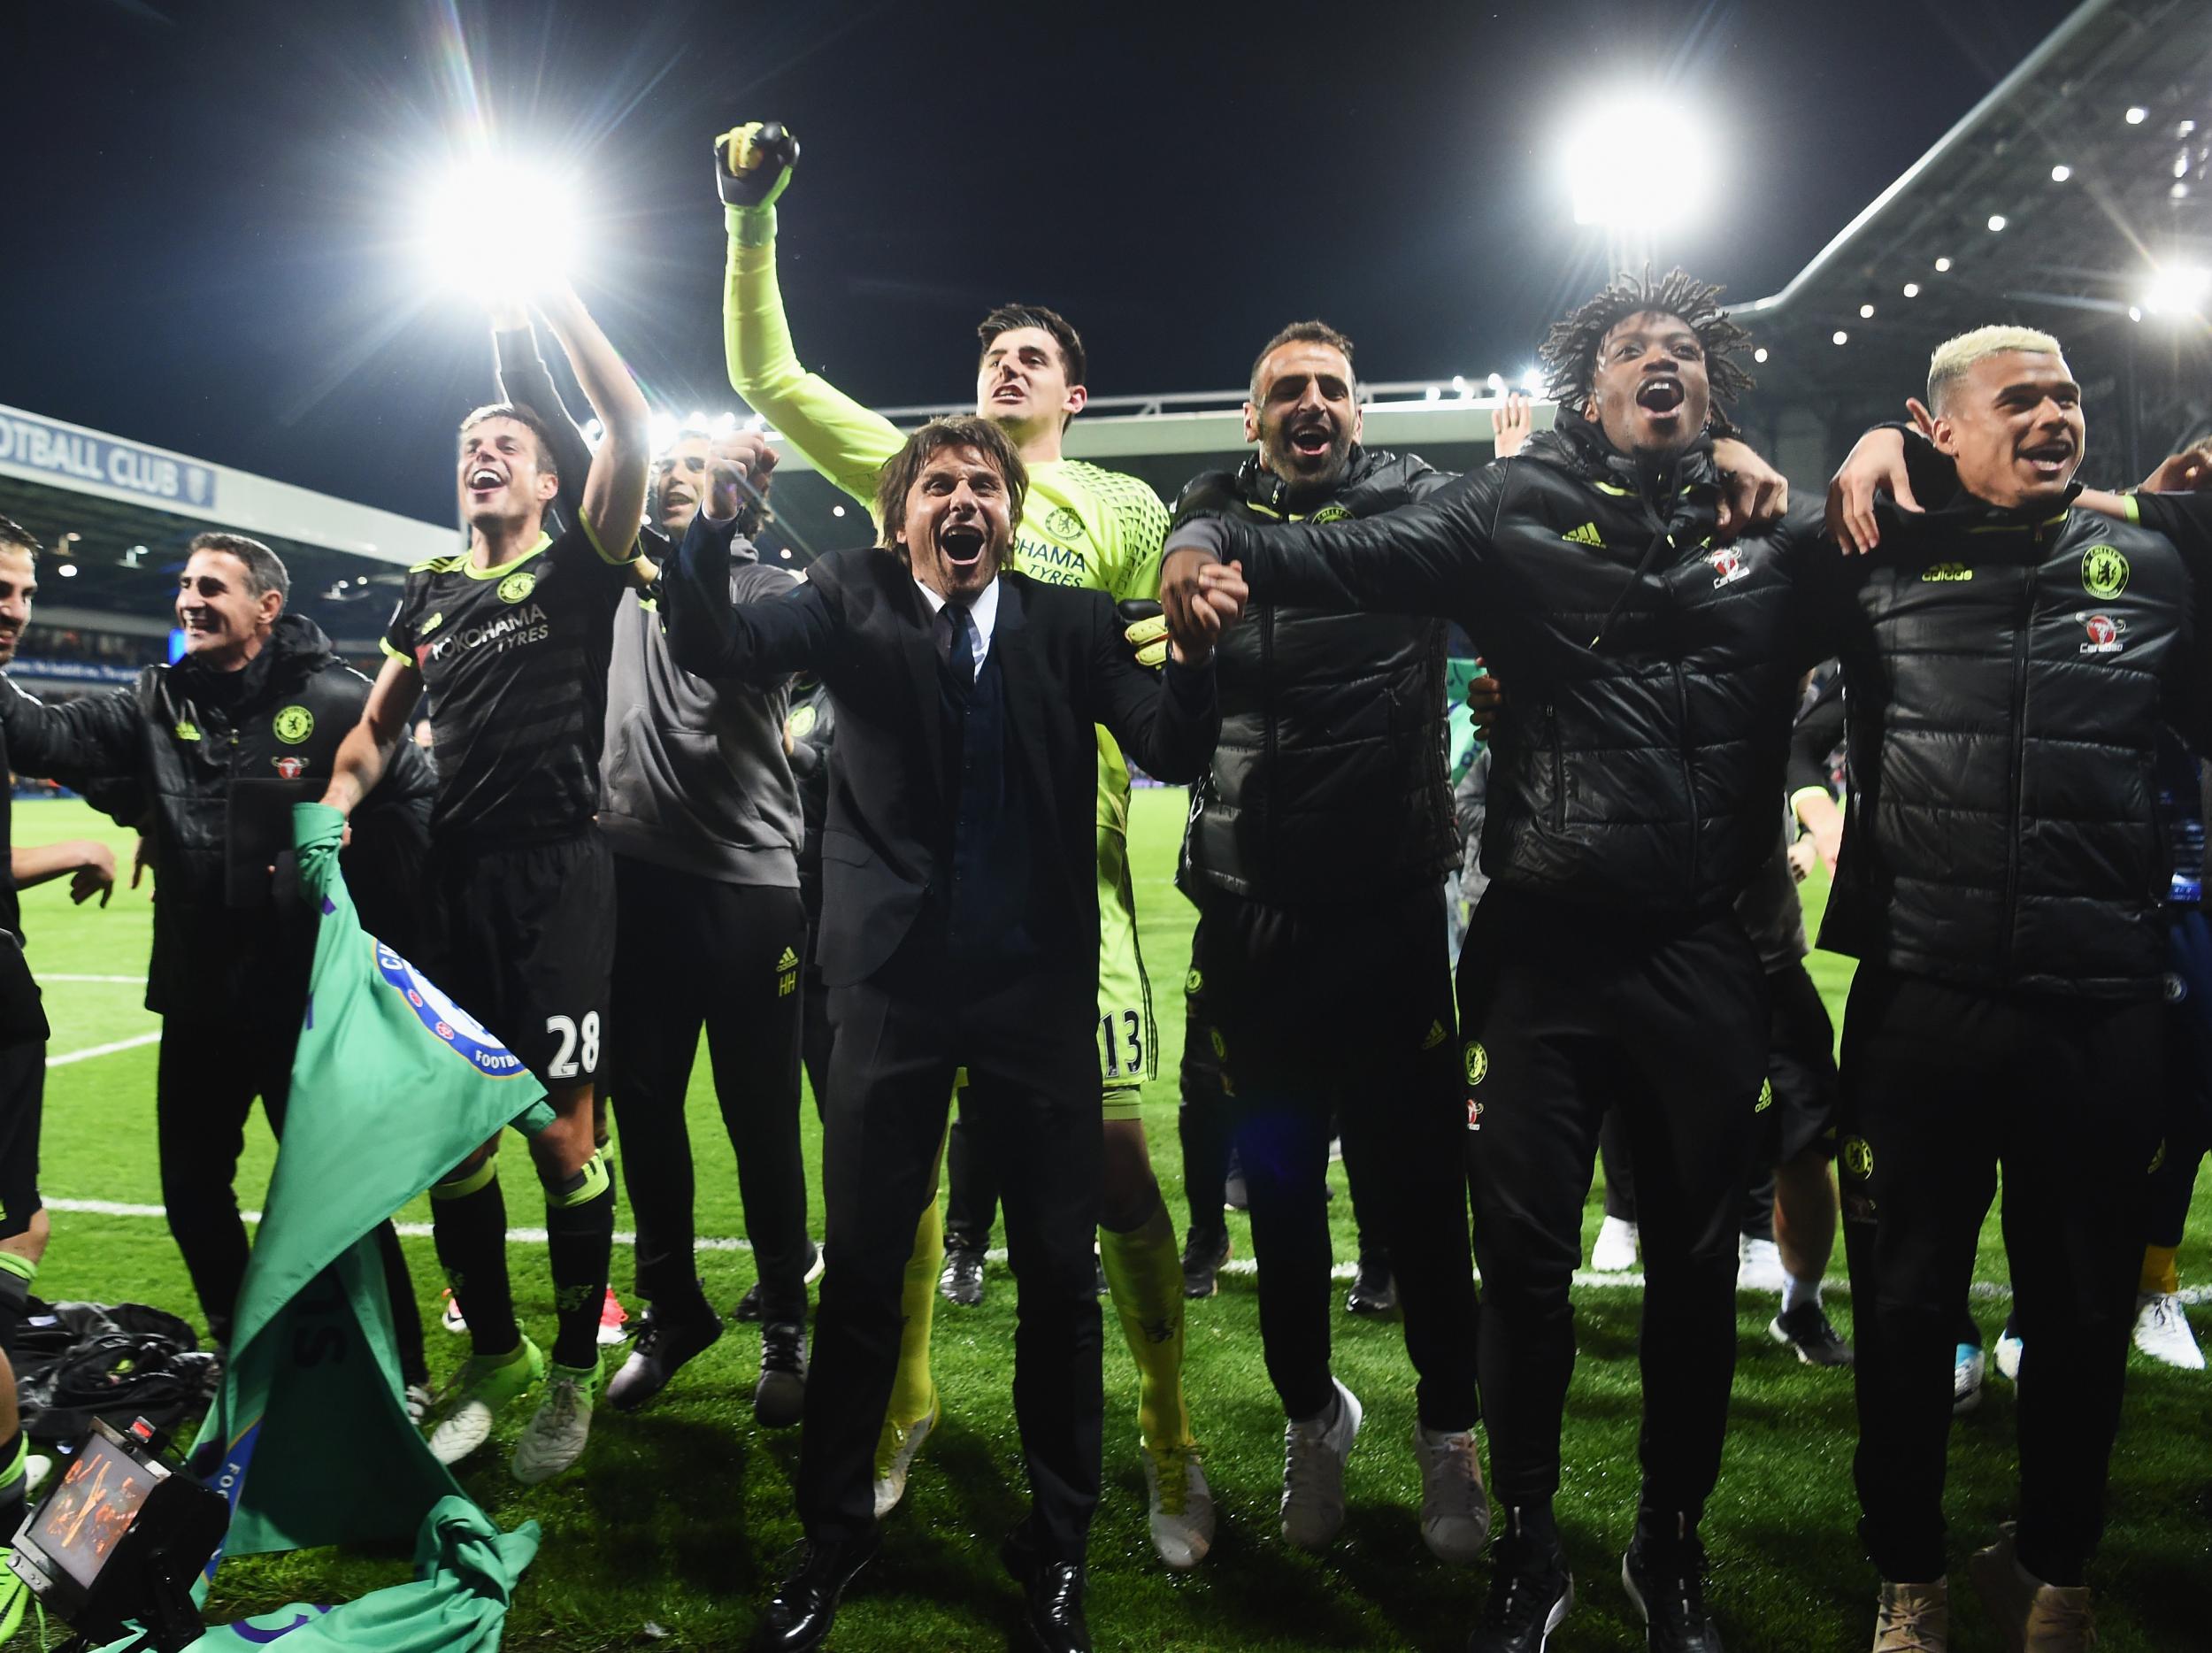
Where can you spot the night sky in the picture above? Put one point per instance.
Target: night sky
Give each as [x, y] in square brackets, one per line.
[211, 241]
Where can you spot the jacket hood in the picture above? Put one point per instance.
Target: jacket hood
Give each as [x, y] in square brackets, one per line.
[1257, 485]
[296, 646]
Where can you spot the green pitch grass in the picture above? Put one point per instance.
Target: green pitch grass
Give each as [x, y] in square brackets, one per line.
[677, 1526]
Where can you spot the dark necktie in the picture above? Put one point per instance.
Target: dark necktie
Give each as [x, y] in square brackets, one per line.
[959, 645]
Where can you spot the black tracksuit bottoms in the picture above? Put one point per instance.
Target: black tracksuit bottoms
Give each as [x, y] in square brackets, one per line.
[1566, 1009]
[1313, 1010]
[203, 1096]
[693, 952]
[1942, 1086]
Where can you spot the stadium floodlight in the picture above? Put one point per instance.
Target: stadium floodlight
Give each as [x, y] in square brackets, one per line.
[1996, 222]
[1759, 354]
[1838, 337]
[664, 427]
[1533, 381]
[1653, 187]
[1942, 265]
[1866, 312]
[2135, 312]
[2061, 172]
[2138, 115]
[837, 510]
[1912, 289]
[474, 239]
[1495, 382]
[68, 571]
[2179, 290]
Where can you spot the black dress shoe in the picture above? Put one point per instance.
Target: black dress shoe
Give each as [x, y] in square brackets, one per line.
[1052, 1597]
[665, 1342]
[801, 1612]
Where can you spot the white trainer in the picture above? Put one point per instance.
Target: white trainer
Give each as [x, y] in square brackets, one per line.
[1968, 1367]
[1182, 1505]
[1455, 1508]
[557, 1431]
[1614, 1251]
[1914, 1619]
[1759, 1267]
[895, 1447]
[2006, 1356]
[2161, 1331]
[1314, 1450]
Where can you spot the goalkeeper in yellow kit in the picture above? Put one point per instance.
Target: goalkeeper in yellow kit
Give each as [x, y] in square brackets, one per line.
[1081, 525]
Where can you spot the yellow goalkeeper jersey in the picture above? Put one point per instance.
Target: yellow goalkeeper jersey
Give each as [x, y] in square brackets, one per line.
[1081, 525]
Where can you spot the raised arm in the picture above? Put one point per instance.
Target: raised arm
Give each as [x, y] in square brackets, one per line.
[846, 442]
[367, 749]
[756, 643]
[522, 377]
[613, 500]
[1423, 559]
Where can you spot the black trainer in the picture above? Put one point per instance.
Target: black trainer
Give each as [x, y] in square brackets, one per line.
[1530, 1590]
[1374, 1289]
[1666, 1580]
[780, 1398]
[663, 1343]
[1806, 1329]
[1204, 1254]
[749, 1306]
[962, 1282]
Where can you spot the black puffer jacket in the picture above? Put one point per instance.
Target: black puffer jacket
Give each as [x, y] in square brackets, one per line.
[2006, 676]
[1328, 783]
[1653, 674]
[185, 735]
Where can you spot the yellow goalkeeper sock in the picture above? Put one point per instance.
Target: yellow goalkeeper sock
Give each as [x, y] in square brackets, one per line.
[913, 1393]
[2159, 1272]
[1146, 1273]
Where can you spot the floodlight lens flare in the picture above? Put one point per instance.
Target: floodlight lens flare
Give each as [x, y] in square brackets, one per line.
[2178, 290]
[498, 224]
[1661, 183]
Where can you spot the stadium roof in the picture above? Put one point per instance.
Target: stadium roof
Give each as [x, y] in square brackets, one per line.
[2062, 200]
[132, 507]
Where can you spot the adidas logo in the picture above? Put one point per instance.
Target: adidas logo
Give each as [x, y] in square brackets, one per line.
[789, 961]
[1586, 535]
[1436, 1036]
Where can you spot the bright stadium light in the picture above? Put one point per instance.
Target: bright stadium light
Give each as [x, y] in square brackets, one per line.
[1996, 222]
[1942, 265]
[2175, 291]
[664, 428]
[1912, 289]
[1838, 337]
[837, 510]
[2061, 174]
[1866, 312]
[1533, 381]
[1653, 186]
[2138, 115]
[472, 239]
[1759, 354]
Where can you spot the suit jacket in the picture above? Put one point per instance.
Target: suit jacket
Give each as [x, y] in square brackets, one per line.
[860, 623]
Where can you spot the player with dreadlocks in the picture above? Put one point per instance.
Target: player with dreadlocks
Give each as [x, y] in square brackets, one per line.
[1654, 668]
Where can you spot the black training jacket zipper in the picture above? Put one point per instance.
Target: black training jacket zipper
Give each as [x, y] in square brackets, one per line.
[2020, 661]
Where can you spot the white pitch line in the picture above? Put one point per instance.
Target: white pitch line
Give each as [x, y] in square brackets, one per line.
[50, 975]
[85, 1054]
[1983, 1290]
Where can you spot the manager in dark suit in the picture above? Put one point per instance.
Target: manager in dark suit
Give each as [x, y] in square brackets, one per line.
[959, 928]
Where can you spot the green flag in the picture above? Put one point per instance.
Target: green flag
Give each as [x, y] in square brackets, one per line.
[392, 1086]
[466, 1570]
